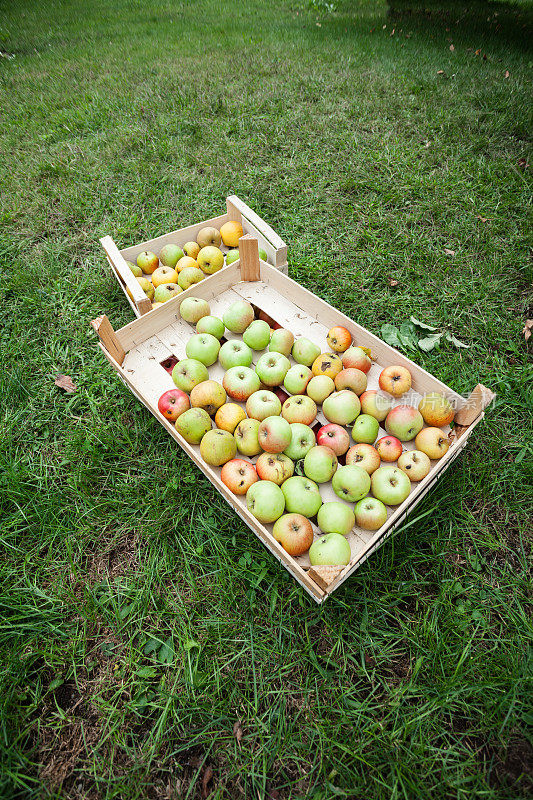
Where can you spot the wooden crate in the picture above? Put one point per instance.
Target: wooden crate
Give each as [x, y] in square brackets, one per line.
[235, 210]
[139, 350]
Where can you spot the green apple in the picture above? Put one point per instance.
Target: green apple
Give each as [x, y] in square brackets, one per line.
[188, 373]
[257, 334]
[272, 368]
[302, 440]
[189, 276]
[231, 256]
[212, 325]
[235, 353]
[330, 550]
[297, 378]
[241, 383]
[166, 291]
[341, 407]
[193, 425]
[370, 514]
[304, 351]
[301, 496]
[137, 271]
[217, 447]
[265, 501]
[170, 255]
[320, 387]
[274, 434]
[203, 347]
[246, 437]
[281, 341]
[335, 517]
[193, 308]
[404, 422]
[263, 404]
[238, 316]
[351, 483]
[390, 485]
[320, 464]
[365, 429]
[210, 260]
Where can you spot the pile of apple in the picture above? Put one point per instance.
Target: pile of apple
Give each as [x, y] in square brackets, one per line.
[176, 268]
[279, 432]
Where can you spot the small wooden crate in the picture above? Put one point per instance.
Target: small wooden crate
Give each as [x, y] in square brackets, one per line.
[143, 351]
[251, 222]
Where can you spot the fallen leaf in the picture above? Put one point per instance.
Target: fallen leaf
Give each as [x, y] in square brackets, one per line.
[440, 72]
[483, 219]
[527, 329]
[449, 252]
[422, 325]
[506, 73]
[478, 52]
[393, 282]
[65, 382]
[452, 48]
[206, 780]
[237, 731]
[389, 334]
[429, 342]
[451, 338]
[522, 163]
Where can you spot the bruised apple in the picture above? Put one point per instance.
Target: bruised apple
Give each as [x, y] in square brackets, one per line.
[436, 410]
[327, 364]
[173, 403]
[339, 339]
[276, 467]
[365, 456]
[238, 475]
[395, 380]
[208, 395]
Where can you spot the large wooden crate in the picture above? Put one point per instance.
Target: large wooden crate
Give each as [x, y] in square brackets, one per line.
[143, 351]
[236, 210]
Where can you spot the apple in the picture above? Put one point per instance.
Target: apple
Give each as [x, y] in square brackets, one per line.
[299, 408]
[389, 448]
[240, 383]
[189, 276]
[146, 286]
[209, 236]
[263, 255]
[173, 403]
[365, 429]
[355, 357]
[302, 440]
[137, 271]
[166, 291]
[257, 334]
[228, 416]
[231, 232]
[395, 380]
[320, 387]
[301, 496]
[147, 261]
[320, 464]
[208, 395]
[281, 341]
[193, 309]
[210, 260]
[238, 316]
[217, 447]
[375, 404]
[263, 404]
[341, 407]
[272, 368]
[246, 436]
[335, 517]
[170, 255]
[415, 464]
[351, 483]
[365, 456]
[235, 353]
[191, 249]
[404, 422]
[193, 425]
[274, 434]
[370, 514]
[335, 437]
[332, 549]
[327, 364]
[265, 501]
[294, 532]
[186, 263]
[433, 442]
[339, 339]
[297, 378]
[351, 378]
[436, 410]
[238, 475]
[390, 485]
[232, 256]
[212, 325]
[203, 347]
[276, 467]
[304, 351]
[188, 373]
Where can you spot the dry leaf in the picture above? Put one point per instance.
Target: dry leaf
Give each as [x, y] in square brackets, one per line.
[65, 382]
[237, 731]
[206, 780]
[440, 72]
[506, 73]
[527, 329]
[452, 48]
[522, 163]
[478, 52]
[449, 252]
[393, 282]
[482, 219]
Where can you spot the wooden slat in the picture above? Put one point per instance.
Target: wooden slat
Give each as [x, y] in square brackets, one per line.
[108, 338]
[249, 258]
[142, 302]
[179, 236]
[236, 208]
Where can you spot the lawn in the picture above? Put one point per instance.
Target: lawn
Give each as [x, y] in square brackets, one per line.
[151, 647]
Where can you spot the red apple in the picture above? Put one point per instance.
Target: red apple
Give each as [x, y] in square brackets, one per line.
[294, 532]
[339, 339]
[173, 403]
[389, 448]
[357, 358]
[364, 455]
[238, 475]
[351, 378]
[335, 437]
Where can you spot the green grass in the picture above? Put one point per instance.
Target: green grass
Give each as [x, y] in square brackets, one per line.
[143, 627]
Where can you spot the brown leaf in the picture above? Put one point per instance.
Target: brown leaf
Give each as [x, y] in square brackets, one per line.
[522, 163]
[527, 329]
[478, 52]
[237, 731]
[452, 48]
[483, 219]
[506, 73]
[440, 72]
[393, 282]
[449, 252]
[206, 780]
[65, 382]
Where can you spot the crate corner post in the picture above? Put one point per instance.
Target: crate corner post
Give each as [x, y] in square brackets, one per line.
[108, 338]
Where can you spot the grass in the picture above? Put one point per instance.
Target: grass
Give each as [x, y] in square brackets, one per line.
[151, 647]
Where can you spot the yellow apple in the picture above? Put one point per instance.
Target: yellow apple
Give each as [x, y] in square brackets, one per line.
[164, 275]
[231, 232]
